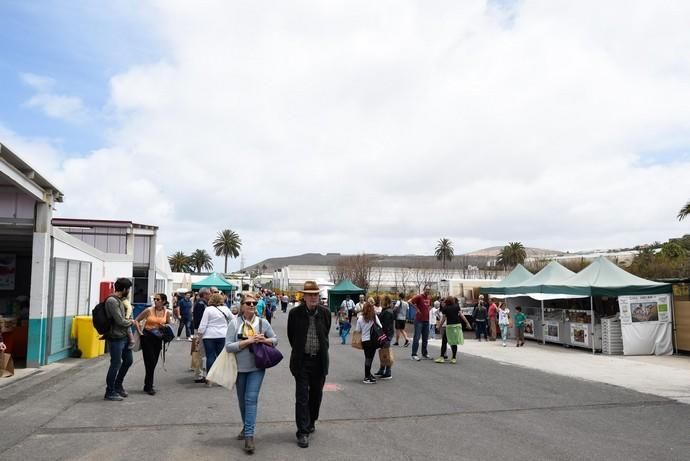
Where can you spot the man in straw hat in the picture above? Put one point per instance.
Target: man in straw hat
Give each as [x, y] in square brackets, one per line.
[307, 330]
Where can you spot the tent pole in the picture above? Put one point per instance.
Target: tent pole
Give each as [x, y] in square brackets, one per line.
[591, 307]
[543, 336]
[673, 324]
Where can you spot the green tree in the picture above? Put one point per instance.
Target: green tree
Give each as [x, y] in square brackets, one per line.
[444, 251]
[684, 212]
[201, 260]
[180, 262]
[673, 250]
[512, 254]
[228, 243]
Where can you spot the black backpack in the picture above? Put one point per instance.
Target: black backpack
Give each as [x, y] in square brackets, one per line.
[100, 319]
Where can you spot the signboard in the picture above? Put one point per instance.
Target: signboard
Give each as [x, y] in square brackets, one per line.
[8, 270]
[529, 328]
[646, 308]
[579, 334]
[551, 331]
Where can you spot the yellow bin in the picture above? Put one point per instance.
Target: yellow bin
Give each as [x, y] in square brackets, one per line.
[87, 337]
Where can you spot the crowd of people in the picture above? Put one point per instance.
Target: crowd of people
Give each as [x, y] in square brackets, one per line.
[215, 323]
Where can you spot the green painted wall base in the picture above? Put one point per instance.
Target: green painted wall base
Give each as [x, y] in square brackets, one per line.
[36, 347]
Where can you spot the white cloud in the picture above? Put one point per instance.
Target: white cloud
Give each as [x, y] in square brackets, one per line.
[54, 105]
[360, 126]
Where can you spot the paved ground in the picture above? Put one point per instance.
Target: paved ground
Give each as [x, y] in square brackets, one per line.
[478, 409]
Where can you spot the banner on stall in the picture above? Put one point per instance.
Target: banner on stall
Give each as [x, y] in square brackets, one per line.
[579, 334]
[529, 328]
[552, 331]
[647, 308]
[646, 324]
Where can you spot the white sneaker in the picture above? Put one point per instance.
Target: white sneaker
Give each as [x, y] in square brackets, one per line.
[415, 357]
[504, 344]
[189, 339]
[178, 339]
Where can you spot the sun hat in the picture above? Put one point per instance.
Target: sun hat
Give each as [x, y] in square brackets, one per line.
[310, 286]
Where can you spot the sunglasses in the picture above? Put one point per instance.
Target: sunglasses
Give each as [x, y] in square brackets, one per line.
[250, 303]
[156, 299]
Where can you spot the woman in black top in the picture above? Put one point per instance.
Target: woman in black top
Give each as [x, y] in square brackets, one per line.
[450, 316]
[387, 319]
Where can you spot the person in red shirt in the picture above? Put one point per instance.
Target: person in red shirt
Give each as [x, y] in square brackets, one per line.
[493, 312]
[422, 304]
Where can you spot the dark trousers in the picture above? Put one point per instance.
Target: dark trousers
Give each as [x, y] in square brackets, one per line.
[444, 346]
[150, 349]
[284, 306]
[369, 353]
[185, 322]
[120, 360]
[308, 393]
[480, 329]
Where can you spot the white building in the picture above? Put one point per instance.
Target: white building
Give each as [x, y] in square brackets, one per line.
[52, 269]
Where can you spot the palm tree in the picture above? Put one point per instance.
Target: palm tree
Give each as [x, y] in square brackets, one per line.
[444, 251]
[512, 254]
[180, 262]
[685, 211]
[201, 260]
[228, 243]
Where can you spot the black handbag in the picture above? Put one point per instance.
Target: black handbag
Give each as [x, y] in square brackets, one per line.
[377, 335]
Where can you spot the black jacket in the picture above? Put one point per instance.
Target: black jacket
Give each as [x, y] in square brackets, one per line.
[387, 319]
[297, 326]
[198, 313]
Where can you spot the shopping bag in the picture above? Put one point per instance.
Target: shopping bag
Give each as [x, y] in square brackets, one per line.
[196, 360]
[6, 365]
[357, 340]
[136, 346]
[224, 370]
[386, 357]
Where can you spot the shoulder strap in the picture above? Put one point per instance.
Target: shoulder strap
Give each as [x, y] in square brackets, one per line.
[221, 311]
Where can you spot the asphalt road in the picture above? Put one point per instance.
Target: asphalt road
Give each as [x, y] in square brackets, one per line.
[477, 409]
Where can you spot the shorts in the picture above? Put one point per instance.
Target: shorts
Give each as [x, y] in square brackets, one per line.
[520, 333]
[399, 324]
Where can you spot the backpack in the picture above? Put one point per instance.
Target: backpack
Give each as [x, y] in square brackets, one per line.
[100, 319]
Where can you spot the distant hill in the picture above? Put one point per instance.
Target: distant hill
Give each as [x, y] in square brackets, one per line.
[475, 258]
[493, 252]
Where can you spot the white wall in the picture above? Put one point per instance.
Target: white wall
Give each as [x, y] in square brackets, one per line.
[103, 268]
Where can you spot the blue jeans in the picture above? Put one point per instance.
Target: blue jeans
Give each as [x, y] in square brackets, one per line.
[504, 332]
[480, 330]
[248, 386]
[120, 360]
[420, 329]
[344, 331]
[213, 347]
[186, 322]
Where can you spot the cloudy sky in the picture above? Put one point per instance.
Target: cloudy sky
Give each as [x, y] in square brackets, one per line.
[357, 126]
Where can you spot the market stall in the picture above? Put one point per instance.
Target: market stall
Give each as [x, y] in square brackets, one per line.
[337, 294]
[573, 306]
[214, 280]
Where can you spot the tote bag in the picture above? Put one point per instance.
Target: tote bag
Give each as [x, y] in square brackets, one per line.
[357, 340]
[224, 370]
[6, 365]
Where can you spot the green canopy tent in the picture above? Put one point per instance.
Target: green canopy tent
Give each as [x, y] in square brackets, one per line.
[337, 294]
[600, 278]
[533, 287]
[604, 278]
[214, 280]
[515, 278]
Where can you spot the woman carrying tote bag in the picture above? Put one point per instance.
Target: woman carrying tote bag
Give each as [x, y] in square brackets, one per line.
[369, 344]
[244, 331]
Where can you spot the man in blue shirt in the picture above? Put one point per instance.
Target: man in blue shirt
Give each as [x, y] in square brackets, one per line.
[184, 313]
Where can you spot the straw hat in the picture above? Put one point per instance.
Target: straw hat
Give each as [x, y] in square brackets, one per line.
[310, 286]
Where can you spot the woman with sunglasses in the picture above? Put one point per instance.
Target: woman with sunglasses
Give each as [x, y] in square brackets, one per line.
[151, 337]
[243, 331]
